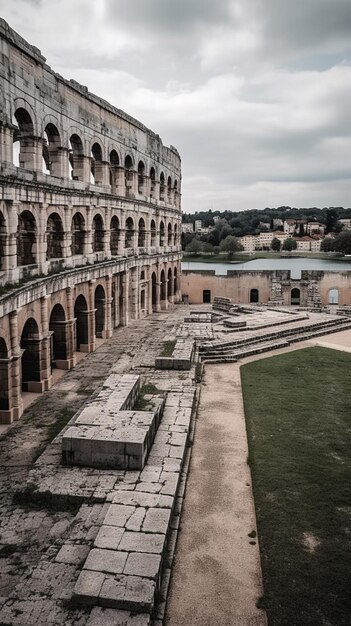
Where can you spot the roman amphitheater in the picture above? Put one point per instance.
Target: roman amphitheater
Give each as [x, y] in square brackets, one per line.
[101, 362]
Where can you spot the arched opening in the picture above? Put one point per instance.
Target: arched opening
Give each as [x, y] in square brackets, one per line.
[162, 234]
[81, 315]
[141, 233]
[153, 232]
[114, 235]
[4, 376]
[57, 326]
[78, 234]
[141, 178]
[333, 296]
[2, 239]
[169, 234]
[162, 286]
[54, 237]
[154, 291]
[99, 304]
[98, 233]
[254, 295]
[114, 165]
[51, 151]
[95, 165]
[175, 236]
[295, 296]
[76, 157]
[152, 182]
[175, 193]
[26, 239]
[169, 285]
[30, 346]
[206, 296]
[169, 189]
[129, 233]
[128, 175]
[23, 140]
[162, 186]
[142, 300]
[175, 281]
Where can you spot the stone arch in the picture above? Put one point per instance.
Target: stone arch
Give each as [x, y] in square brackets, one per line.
[154, 291]
[162, 186]
[128, 174]
[54, 236]
[82, 327]
[129, 233]
[51, 153]
[76, 157]
[169, 234]
[153, 233]
[254, 295]
[30, 360]
[152, 182]
[169, 285]
[175, 235]
[114, 235]
[141, 233]
[333, 296]
[57, 326]
[175, 281]
[23, 149]
[26, 238]
[96, 164]
[99, 305]
[78, 234]
[141, 178]
[114, 169]
[169, 189]
[163, 287]
[4, 376]
[98, 233]
[162, 233]
[3, 237]
[295, 296]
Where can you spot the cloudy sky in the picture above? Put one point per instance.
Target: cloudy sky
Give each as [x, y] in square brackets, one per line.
[255, 94]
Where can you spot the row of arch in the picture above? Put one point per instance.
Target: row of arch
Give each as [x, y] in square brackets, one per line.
[113, 239]
[295, 296]
[93, 318]
[125, 175]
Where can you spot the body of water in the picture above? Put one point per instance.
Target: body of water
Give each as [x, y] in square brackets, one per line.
[295, 265]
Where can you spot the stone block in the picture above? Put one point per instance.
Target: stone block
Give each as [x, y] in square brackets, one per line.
[157, 521]
[108, 537]
[143, 564]
[109, 561]
[142, 542]
[88, 587]
[117, 515]
[139, 498]
[132, 593]
[72, 554]
[116, 617]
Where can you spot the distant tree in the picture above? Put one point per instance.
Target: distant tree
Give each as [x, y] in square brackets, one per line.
[230, 245]
[301, 230]
[194, 247]
[276, 244]
[207, 247]
[342, 243]
[289, 244]
[327, 244]
[332, 218]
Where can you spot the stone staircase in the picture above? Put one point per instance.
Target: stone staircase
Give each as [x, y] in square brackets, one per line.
[231, 351]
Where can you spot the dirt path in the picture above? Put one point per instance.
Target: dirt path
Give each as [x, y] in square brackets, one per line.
[216, 577]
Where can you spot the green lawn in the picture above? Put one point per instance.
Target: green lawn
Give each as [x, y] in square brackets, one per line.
[298, 415]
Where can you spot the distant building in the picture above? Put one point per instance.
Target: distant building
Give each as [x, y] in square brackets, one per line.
[346, 222]
[187, 228]
[198, 226]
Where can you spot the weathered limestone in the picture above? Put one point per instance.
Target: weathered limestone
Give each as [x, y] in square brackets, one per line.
[109, 433]
[181, 358]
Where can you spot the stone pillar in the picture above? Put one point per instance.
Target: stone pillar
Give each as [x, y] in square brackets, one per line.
[6, 141]
[16, 377]
[88, 235]
[102, 173]
[108, 309]
[149, 290]
[45, 347]
[69, 332]
[124, 313]
[81, 168]
[9, 238]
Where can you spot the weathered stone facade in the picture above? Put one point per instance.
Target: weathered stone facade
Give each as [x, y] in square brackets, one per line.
[312, 289]
[89, 221]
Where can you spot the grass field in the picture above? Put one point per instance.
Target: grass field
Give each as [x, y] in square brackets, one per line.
[298, 415]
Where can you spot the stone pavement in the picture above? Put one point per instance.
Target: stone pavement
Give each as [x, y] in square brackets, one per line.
[49, 536]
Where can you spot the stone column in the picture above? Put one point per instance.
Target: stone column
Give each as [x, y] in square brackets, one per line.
[81, 168]
[108, 309]
[149, 290]
[70, 332]
[88, 235]
[6, 141]
[124, 313]
[16, 376]
[45, 346]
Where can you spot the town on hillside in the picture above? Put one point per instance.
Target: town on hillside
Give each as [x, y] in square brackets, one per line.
[312, 231]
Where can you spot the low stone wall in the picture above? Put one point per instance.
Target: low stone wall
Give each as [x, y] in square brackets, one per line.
[181, 358]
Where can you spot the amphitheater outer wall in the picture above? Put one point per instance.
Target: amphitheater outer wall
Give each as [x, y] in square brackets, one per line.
[90, 222]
